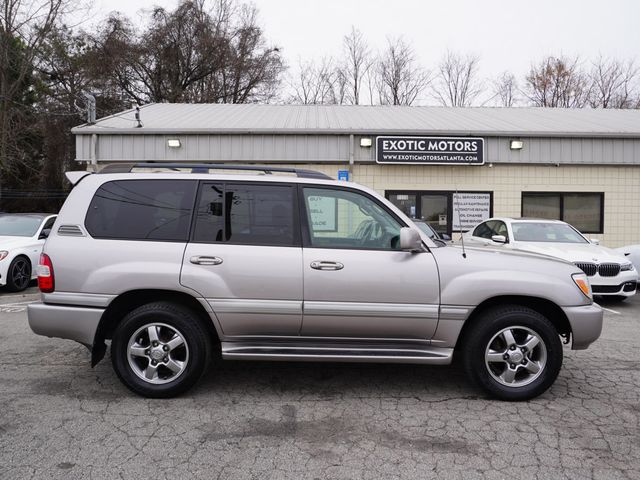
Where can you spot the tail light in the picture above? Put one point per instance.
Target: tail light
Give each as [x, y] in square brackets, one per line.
[46, 278]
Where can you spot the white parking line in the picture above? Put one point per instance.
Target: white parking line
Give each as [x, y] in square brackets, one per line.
[609, 310]
[26, 302]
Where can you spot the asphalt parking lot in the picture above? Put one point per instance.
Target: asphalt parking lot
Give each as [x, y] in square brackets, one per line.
[61, 419]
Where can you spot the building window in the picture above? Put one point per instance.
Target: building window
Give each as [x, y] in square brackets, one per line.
[445, 211]
[585, 211]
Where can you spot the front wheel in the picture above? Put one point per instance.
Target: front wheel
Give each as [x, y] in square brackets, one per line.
[512, 352]
[160, 350]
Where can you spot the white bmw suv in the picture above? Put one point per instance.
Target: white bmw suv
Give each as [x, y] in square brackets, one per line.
[609, 272]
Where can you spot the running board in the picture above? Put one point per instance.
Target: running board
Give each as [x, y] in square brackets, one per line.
[338, 352]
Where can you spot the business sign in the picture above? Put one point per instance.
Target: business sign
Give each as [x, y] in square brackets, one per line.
[430, 150]
[323, 212]
[469, 209]
[343, 175]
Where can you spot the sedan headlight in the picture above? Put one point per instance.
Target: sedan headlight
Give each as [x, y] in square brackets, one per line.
[3, 254]
[626, 267]
[582, 281]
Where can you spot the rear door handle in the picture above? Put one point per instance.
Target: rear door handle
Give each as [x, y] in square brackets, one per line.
[204, 260]
[324, 265]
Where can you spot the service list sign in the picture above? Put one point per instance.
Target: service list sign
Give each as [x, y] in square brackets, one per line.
[430, 150]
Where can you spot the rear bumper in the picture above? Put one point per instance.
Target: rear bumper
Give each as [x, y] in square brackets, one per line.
[62, 321]
[586, 324]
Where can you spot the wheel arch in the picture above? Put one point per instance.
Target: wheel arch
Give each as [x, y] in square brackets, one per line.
[128, 301]
[543, 306]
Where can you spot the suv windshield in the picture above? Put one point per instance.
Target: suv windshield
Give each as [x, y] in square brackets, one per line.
[18, 226]
[546, 232]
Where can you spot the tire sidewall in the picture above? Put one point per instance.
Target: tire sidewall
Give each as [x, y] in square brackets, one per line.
[182, 320]
[489, 326]
[11, 286]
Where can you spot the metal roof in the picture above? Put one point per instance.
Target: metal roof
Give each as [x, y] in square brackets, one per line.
[174, 119]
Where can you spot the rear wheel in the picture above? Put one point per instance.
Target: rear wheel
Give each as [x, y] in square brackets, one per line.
[513, 352]
[160, 350]
[19, 274]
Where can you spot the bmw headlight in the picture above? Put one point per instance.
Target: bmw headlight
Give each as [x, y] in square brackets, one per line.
[626, 267]
[3, 254]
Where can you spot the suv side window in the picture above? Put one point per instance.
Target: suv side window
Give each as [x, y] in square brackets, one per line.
[345, 219]
[142, 210]
[251, 214]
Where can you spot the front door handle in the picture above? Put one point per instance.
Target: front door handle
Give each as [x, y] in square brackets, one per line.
[204, 260]
[324, 265]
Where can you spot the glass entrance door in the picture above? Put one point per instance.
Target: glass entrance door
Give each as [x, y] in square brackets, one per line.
[435, 211]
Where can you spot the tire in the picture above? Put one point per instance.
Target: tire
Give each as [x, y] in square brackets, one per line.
[180, 350]
[19, 274]
[503, 371]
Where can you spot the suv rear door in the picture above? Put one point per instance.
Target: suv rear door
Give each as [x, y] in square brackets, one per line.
[357, 283]
[245, 257]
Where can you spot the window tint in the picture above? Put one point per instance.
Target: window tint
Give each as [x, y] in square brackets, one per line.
[246, 214]
[142, 210]
[582, 210]
[343, 219]
[49, 223]
[484, 230]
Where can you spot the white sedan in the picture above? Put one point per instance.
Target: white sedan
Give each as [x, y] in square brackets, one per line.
[610, 273]
[22, 236]
[632, 252]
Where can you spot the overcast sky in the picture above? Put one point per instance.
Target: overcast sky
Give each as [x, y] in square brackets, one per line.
[506, 34]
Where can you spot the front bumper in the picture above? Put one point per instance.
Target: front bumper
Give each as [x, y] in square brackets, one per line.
[63, 321]
[586, 324]
[622, 284]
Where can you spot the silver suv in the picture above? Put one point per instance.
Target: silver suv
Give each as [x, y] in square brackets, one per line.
[179, 267]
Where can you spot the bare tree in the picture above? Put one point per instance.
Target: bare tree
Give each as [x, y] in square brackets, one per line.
[557, 82]
[505, 89]
[614, 84]
[358, 61]
[399, 79]
[318, 83]
[456, 83]
[24, 25]
[193, 54]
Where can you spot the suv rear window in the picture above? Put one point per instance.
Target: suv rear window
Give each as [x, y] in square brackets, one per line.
[142, 210]
[247, 215]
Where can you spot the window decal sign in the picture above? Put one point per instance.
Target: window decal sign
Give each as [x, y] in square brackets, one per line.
[323, 212]
[469, 209]
[430, 150]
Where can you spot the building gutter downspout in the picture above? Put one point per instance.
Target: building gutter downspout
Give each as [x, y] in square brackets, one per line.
[351, 155]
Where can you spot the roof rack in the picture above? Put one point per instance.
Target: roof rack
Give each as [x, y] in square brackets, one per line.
[205, 167]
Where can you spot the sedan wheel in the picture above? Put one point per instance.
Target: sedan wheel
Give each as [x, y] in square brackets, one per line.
[19, 274]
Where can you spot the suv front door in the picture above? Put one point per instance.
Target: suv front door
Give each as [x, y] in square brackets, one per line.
[245, 257]
[357, 283]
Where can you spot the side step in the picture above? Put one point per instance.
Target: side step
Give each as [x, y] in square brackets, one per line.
[338, 352]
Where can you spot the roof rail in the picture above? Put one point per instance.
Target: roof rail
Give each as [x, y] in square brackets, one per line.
[205, 167]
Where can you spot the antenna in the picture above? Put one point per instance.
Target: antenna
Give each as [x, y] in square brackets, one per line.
[139, 124]
[456, 207]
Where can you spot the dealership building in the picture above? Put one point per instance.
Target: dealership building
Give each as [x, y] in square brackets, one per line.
[451, 166]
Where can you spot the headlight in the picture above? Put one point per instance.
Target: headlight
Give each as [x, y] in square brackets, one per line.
[582, 281]
[3, 254]
[626, 267]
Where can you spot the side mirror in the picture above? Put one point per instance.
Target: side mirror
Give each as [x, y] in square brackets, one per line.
[410, 240]
[44, 234]
[595, 241]
[499, 238]
[446, 237]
